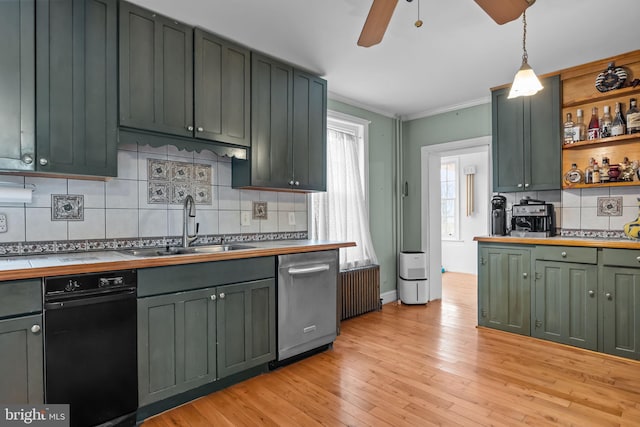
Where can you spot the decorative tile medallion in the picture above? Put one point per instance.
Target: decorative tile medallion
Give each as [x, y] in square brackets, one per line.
[158, 170]
[260, 210]
[202, 194]
[67, 207]
[179, 193]
[170, 182]
[202, 173]
[158, 192]
[609, 206]
[181, 172]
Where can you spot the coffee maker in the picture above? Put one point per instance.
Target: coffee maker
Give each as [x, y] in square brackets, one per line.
[533, 218]
[498, 215]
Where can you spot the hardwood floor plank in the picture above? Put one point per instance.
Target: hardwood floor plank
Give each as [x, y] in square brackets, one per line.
[427, 365]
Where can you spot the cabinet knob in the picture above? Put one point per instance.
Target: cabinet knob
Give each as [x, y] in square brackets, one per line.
[297, 183]
[291, 182]
[609, 296]
[563, 254]
[519, 185]
[200, 129]
[44, 161]
[638, 259]
[35, 329]
[190, 128]
[213, 297]
[27, 159]
[221, 295]
[526, 186]
[525, 275]
[592, 293]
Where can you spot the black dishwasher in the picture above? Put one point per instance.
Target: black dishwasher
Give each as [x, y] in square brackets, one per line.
[90, 346]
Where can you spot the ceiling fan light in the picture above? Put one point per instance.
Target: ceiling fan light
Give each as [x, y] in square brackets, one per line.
[525, 83]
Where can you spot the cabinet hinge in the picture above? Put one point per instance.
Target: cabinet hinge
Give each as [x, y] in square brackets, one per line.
[483, 261]
[538, 275]
[483, 312]
[538, 323]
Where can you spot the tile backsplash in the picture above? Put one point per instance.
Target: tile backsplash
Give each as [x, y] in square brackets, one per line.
[577, 212]
[121, 208]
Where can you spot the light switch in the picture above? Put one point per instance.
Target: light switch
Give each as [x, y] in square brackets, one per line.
[292, 218]
[3, 223]
[245, 219]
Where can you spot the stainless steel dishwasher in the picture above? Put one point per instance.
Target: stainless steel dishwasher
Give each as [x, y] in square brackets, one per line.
[307, 302]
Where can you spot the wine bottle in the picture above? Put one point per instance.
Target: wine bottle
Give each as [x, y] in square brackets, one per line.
[605, 123]
[593, 131]
[618, 126]
[568, 130]
[633, 117]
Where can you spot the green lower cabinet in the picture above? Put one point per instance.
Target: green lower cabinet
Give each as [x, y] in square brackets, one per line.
[21, 360]
[565, 303]
[620, 293]
[246, 326]
[504, 289]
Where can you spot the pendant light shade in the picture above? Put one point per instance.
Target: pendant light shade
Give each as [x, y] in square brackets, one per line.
[525, 83]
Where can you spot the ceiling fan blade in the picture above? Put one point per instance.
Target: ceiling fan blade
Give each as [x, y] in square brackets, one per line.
[377, 22]
[503, 11]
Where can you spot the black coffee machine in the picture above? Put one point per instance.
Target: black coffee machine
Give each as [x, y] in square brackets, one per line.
[498, 215]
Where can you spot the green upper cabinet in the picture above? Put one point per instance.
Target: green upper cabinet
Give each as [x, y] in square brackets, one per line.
[17, 85]
[222, 82]
[288, 129]
[156, 72]
[76, 77]
[526, 139]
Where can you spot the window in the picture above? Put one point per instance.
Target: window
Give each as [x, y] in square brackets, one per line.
[342, 213]
[449, 198]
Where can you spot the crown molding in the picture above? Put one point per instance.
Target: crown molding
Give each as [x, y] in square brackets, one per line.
[337, 97]
[447, 109]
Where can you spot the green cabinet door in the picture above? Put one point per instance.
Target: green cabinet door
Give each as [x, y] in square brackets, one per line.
[156, 72]
[17, 85]
[309, 132]
[21, 360]
[620, 294]
[222, 95]
[246, 326]
[504, 289]
[76, 99]
[565, 303]
[176, 343]
[526, 148]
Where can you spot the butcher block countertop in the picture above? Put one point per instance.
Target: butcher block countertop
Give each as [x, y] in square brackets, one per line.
[60, 264]
[562, 241]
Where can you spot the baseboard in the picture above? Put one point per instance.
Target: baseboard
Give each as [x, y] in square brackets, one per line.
[389, 296]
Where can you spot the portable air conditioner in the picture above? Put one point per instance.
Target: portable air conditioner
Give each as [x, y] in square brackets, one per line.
[412, 281]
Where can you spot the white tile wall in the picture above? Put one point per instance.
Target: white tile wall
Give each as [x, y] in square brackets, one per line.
[118, 208]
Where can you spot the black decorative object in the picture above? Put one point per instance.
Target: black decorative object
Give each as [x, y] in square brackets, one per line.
[611, 78]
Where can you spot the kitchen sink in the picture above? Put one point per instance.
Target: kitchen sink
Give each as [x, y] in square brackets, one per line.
[179, 250]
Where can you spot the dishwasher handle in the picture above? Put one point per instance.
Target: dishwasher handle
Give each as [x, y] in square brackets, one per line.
[295, 271]
[97, 299]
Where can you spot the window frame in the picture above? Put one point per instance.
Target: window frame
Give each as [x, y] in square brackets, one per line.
[455, 160]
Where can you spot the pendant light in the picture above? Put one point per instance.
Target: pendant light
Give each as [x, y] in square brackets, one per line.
[525, 83]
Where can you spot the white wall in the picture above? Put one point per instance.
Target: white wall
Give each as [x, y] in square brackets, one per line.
[460, 256]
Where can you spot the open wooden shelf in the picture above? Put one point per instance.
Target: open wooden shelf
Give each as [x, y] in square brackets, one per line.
[608, 184]
[603, 96]
[600, 141]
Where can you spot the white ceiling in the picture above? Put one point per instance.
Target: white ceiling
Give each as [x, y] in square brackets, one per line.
[450, 62]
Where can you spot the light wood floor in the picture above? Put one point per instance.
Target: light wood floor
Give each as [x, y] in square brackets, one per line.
[429, 365]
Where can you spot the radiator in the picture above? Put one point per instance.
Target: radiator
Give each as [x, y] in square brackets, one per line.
[359, 291]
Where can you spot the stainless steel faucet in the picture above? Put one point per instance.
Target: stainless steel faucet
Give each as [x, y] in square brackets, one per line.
[189, 211]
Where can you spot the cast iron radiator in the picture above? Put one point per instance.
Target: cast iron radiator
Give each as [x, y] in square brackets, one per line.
[358, 291]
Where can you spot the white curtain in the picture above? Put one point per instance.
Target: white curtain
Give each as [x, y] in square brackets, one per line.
[340, 213]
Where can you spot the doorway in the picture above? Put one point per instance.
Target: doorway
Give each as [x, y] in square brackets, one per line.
[459, 252]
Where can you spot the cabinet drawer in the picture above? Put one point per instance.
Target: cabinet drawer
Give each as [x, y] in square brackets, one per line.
[20, 297]
[567, 253]
[621, 257]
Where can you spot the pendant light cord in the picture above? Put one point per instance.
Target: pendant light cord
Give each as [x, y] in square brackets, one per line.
[525, 56]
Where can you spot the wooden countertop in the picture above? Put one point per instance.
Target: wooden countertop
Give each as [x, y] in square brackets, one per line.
[562, 241]
[28, 267]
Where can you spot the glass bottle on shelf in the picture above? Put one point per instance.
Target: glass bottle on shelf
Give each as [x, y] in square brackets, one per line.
[588, 172]
[580, 129]
[604, 170]
[618, 126]
[596, 174]
[573, 175]
[568, 130]
[593, 132]
[605, 123]
[633, 117]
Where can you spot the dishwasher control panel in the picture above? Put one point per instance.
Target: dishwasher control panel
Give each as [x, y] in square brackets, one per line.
[89, 282]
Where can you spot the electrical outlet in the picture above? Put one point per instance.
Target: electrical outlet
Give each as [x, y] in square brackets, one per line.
[245, 219]
[292, 218]
[3, 223]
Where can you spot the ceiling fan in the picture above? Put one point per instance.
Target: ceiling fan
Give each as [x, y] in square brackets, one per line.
[502, 11]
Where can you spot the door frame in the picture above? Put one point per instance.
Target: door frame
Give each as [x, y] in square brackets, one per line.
[430, 219]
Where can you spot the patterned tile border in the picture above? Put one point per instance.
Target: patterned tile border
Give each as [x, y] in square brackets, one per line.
[36, 248]
[594, 234]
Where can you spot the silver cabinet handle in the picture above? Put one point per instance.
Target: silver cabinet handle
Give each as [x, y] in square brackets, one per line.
[592, 293]
[297, 183]
[190, 128]
[526, 186]
[200, 129]
[213, 297]
[519, 185]
[221, 295]
[563, 254]
[609, 296]
[43, 161]
[525, 275]
[638, 259]
[27, 159]
[291, 182]
[308, 270]
[35, 329]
